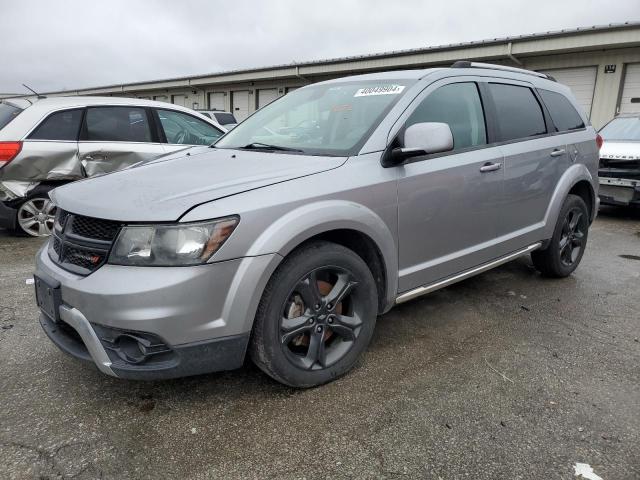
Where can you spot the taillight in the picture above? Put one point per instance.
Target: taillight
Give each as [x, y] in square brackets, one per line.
[8, 151]
[599, 141]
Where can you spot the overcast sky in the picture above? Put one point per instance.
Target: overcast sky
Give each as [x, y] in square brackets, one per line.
[54, 45]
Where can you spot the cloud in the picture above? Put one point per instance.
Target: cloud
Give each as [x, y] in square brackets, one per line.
[74, 44]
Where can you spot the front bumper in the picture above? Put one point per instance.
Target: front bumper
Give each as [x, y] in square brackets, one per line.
[8, 216]
[619, 191]
[77, 337]
[192, 320]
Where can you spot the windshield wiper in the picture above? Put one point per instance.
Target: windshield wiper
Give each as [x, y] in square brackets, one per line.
[266, 146]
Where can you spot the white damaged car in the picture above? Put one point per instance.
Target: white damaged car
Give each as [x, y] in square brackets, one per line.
[58, 140]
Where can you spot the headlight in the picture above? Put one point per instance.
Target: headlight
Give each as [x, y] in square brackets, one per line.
[171, 245]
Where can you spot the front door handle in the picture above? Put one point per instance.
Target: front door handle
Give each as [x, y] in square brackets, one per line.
[490, 167]
[557, 152]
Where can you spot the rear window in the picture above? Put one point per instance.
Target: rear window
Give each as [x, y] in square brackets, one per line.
[63, 125]
[117, 124]
[518, 112]
[7, 113]
[564, 116]
[225, 118]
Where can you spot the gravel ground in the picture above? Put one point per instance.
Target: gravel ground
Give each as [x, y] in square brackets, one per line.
[506, 375]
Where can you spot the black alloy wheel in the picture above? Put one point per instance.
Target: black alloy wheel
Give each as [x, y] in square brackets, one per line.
[316, 316]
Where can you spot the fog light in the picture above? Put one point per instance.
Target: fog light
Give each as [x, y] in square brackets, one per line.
[130, 348]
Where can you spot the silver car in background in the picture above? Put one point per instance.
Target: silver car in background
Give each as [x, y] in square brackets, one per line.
[57, 140]
[319, 212]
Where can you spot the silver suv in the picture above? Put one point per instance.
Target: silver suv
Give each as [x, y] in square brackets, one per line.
[321, 211]
[57, 140]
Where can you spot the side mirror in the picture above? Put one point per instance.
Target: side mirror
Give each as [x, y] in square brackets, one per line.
[422, 139]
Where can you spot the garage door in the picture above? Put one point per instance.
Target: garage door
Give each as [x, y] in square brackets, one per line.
[161, 98]
[216, 101]
[240, 102]
[178, 100]
[580, 80]
[630, 100]
[266, 96]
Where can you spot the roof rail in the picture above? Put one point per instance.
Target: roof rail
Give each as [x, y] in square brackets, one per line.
[491, 66]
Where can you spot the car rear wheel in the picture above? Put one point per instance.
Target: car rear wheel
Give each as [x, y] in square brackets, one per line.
[316, 316]
[35, 216]
[564, 252]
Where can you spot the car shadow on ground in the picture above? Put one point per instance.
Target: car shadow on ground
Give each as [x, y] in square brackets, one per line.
[623, 213]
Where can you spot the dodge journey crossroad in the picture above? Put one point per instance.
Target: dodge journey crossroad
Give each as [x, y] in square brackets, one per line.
[287, 238]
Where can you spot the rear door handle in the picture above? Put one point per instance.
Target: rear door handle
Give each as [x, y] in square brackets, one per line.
[557, 152]
[490, 167]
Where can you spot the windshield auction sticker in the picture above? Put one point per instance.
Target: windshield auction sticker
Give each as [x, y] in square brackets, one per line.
[380, 90]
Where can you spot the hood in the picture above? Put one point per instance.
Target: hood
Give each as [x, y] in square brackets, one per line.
[164, 189]
[620, 150]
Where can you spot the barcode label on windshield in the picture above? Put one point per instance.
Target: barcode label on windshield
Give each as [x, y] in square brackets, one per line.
[380, 90]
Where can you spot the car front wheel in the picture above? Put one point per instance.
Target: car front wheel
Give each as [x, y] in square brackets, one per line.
[316, 316]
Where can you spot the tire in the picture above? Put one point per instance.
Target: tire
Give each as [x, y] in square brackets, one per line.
[305, 337]
[35, 214]
[566, 248]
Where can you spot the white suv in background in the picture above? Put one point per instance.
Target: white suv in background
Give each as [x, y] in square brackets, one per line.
[57, 140]
[619, 171]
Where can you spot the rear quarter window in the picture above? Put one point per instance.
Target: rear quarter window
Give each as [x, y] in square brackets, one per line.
[7, 113]
[564, 115]
[518, 113]
[64, 125]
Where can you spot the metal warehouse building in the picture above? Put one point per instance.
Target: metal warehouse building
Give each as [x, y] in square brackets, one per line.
[601, 64]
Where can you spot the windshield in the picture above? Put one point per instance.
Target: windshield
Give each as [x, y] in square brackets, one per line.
[330, 119]
[622, 128]
[7, 113]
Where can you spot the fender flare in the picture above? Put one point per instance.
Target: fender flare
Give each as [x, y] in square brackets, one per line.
[307, 221]
[574, 174]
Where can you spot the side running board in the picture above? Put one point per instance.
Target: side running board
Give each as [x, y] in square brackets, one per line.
[416, 292]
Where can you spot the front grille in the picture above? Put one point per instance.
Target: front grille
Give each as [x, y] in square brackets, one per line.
[84, 258]
[61, 218]
[57, 246]
[94, 228]
[81, 244]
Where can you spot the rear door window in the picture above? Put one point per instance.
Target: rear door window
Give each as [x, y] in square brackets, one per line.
[61, 126]
[518, 113]
[564, 115]
[117, 124]
[184, 129]
[7, 113]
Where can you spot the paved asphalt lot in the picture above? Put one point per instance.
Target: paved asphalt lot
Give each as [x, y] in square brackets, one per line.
[503, 376]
